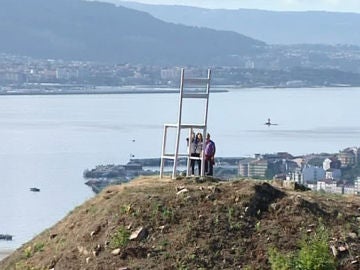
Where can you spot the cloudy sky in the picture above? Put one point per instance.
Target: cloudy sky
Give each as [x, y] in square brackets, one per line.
[283, 5]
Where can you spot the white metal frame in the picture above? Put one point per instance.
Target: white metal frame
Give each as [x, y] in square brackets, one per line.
[184, 83]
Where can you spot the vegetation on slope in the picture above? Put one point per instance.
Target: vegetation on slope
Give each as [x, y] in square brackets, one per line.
[151, 223]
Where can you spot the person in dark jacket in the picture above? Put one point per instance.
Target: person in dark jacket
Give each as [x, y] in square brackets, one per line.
[209, 153]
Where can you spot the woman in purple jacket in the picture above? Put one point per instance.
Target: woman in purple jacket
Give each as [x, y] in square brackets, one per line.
[209, 153]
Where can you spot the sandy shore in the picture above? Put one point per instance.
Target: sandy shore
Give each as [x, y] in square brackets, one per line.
[4, 253]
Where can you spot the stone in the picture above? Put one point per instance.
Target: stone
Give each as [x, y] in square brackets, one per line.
[139, 234]
[116, 251]
[53, 235]
[342, 248]
[83, 251]
[178, 188]
[274, 206]
[96, 250]
[334, 250]
[95, 231]
[185, 190]
[353, 235]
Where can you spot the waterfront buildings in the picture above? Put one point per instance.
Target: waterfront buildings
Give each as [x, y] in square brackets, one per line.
[326, 176]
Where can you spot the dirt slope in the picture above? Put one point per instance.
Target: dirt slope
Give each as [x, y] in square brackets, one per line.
[185, 224]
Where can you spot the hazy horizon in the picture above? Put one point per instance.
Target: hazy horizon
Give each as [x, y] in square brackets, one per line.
[276, 5]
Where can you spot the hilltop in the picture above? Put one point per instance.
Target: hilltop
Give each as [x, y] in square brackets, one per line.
[193, 224]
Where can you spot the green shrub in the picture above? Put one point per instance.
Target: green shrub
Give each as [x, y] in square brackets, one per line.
[314, 254]
[39, 247]
[120, 238]
[31, 250]
[280, 261]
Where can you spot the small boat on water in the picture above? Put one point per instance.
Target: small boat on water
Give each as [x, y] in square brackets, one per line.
[268, 123]
[34, 189]
[6, 237]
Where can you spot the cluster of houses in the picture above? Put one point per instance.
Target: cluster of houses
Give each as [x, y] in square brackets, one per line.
[326, 175]
[320, 172]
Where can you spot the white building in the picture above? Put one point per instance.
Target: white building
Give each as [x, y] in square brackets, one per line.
[327, 163]
[295, 176]
[329, 186]
[357, 186]
[170, 74]
[334, 174]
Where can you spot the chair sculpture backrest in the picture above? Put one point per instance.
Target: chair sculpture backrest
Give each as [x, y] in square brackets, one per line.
[190, 88]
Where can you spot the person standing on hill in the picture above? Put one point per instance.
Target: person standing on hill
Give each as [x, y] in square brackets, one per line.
[195, 144]
[198, 151]
[192, 148]
[209, 153]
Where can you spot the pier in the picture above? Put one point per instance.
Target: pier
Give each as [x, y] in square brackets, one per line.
[6, 237]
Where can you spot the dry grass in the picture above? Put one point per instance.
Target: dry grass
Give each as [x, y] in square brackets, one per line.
[214, 225]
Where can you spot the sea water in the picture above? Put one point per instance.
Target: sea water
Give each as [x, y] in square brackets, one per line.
[48, 141]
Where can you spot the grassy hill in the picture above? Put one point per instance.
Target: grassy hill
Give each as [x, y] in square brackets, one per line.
[191, 224]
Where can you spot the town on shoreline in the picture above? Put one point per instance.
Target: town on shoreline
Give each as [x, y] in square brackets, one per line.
[325, 172]
[26, 75]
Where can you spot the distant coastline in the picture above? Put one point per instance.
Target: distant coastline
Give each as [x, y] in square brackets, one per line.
[66, 89]
[99, 91]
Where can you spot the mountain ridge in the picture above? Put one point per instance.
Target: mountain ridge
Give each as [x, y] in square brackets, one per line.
[273, 27]
[96, 31]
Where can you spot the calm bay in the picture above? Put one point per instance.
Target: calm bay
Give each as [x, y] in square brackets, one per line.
[48, 141]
